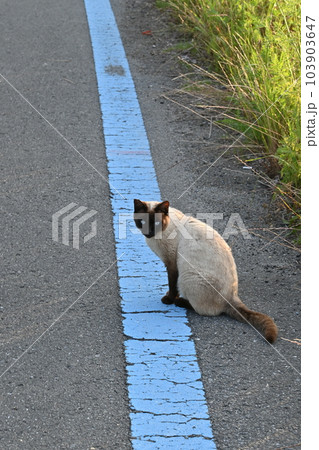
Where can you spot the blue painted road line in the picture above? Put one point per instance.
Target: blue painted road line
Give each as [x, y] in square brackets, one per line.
[168, 406]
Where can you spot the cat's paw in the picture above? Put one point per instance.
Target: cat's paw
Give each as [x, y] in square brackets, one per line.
[167, 300]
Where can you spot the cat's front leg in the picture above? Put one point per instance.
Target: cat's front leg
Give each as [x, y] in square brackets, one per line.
[172, 293]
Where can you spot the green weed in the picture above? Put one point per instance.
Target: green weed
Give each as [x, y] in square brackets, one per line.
[254, 47]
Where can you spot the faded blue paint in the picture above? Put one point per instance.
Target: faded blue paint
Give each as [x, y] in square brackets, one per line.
[168, 406]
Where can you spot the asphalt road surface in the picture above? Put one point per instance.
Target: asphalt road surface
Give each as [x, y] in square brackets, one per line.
[68, 390]
[63, 372]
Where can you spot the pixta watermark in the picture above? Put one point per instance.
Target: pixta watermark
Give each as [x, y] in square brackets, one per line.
[68, 225]
[234, 226]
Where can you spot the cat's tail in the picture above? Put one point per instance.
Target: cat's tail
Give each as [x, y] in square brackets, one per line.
[263, 323]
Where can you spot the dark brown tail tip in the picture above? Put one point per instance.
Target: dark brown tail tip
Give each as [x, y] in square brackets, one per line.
[271, 335]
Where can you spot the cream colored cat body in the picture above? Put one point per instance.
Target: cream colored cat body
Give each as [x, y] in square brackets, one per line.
[201, 270]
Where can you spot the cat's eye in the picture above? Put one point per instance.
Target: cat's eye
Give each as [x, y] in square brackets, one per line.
[140, 223]
[158, 223]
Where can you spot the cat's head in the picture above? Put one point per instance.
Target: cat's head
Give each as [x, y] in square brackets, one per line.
[151, 218]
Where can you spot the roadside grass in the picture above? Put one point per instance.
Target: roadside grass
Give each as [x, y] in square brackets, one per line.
[252, 49]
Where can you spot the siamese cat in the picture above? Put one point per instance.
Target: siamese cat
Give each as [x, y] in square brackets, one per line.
[201, 270]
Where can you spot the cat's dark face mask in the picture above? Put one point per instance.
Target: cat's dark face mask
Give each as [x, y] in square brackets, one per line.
[149, 222]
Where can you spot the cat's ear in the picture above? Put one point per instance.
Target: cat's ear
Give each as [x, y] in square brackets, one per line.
[139, 206]
[163, 207]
